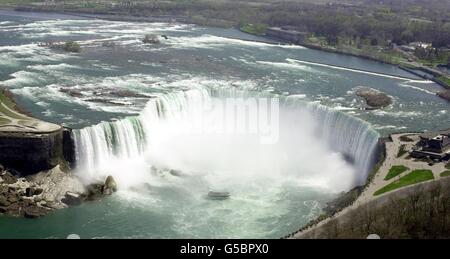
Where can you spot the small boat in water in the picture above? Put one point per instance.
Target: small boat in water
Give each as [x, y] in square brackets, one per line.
[218, 195]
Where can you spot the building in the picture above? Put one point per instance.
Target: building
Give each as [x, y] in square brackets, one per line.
[418, 44]
[411, 47]
[435, 145]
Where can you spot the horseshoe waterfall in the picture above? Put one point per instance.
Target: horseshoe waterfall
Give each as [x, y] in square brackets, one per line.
[162, 136]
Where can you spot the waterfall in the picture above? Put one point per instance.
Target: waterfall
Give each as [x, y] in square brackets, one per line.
[98, 145]
[170, 113]
[348, 135]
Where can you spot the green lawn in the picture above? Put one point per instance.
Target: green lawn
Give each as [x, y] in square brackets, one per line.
[4, 112]
[395, 170]
[19, 1]
[4, 120]
[414, 177]
[4, 99]
[445, 173]
[256, 29]
[446, 80]
[401, 151]
[8, 113]
[406, 138]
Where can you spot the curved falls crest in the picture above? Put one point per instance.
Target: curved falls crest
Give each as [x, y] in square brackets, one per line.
[98, 146]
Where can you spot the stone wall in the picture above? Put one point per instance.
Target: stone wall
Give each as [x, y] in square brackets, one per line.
[29, 153]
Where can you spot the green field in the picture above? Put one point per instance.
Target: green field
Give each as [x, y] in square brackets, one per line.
[446, 80]
[401, 151]
[4, 120]
[445, 174]
[6, 114]
[414, 177]
[256, 29]
[395, 170]
[17, 2]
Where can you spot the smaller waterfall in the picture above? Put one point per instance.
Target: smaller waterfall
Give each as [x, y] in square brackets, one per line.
[99, 145]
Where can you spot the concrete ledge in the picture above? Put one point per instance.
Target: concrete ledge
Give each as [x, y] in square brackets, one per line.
[29, 145]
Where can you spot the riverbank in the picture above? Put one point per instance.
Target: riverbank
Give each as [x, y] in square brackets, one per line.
[391, 55]
[396, 148]
[39, 194]
[35, 159]
[379, 56]
[434, 75]
[36, 195]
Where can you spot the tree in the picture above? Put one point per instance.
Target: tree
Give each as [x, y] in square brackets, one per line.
[374, 42]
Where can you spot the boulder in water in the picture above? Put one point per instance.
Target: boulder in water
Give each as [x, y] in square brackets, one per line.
[34, 211]
[110, 186]
[374, 98]
[94, 192]
[151, 39]
[97, 191]
[72, 199]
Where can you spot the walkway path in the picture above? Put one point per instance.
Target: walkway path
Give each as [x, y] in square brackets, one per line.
[12, 121]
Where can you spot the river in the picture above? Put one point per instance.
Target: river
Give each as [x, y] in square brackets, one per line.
[110, 94]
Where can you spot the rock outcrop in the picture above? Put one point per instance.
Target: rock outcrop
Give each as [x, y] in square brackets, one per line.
[93, 192]
[42, 193]
[151, 39]
[69, 46]
[374, 98]
[71, 92]
[110, 185]
[36, 195]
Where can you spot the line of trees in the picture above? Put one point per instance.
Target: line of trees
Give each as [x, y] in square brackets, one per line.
[424, 214]
[374, 22]
[390, 20]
